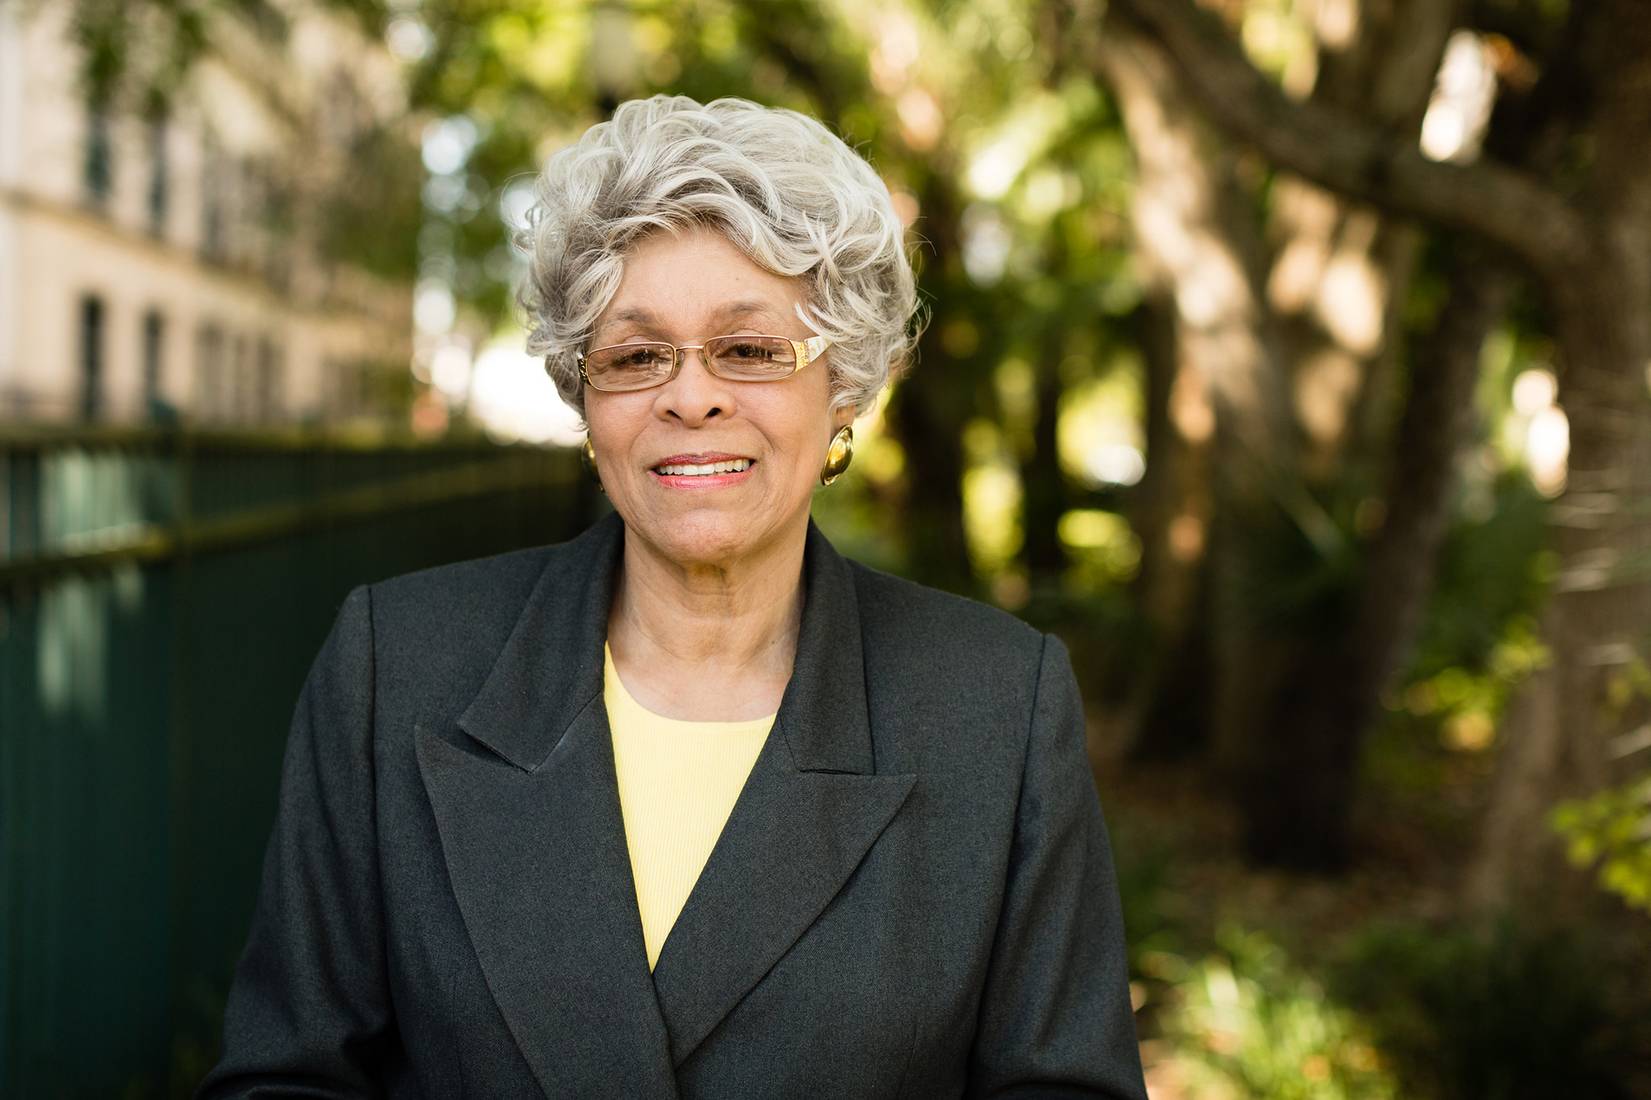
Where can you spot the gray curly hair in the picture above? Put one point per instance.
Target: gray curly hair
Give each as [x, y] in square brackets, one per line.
[784, 189]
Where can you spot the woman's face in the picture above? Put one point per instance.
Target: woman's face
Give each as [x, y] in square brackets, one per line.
[686, 288]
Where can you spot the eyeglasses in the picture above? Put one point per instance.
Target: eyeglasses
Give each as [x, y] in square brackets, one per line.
[638, 366]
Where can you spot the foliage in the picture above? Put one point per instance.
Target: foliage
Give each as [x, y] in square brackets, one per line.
[146, 67]
[1238, 1016]
[1259, 1026]
[371, 221]
[136, 57]
[1478, 639]
[139, 52]
[1498, 1013]
[1144, 864]
[1425, 1010]
[1611, 830]
[1492, 568]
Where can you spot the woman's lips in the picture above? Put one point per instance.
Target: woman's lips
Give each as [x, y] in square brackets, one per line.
[694, 471]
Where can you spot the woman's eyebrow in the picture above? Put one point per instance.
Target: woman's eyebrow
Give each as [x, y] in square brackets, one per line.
[743, 309]
[635, 313]
[732, 311]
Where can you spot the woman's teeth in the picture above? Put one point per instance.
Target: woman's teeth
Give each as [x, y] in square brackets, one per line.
[731, 467]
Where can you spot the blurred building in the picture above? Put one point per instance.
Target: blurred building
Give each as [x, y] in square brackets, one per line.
[220, 261]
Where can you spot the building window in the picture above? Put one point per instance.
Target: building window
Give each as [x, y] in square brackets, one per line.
[346, 388]
[279, 219]
[241, 396]
[98, 169]
[91, 357]
[270, 371]
[160, 175]
[209, 372]
[212, 200]
[154, 346]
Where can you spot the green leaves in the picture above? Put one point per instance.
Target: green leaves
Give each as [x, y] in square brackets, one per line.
[1611, 832]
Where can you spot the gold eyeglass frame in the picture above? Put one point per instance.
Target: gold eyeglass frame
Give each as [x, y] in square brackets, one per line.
[806, 352]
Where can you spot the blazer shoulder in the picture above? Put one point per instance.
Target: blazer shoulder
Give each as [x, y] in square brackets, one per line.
[903, 614]
[951, 686]
[465, 609]
[437, 631]
[468, 588]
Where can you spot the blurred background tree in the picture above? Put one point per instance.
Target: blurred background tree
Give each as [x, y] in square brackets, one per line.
[1559, 193]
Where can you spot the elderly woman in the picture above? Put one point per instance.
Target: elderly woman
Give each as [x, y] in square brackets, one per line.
[691, 805]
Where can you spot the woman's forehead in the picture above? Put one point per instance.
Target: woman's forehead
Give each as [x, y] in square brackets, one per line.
[691, 318]
[697, 277]
[645, 315]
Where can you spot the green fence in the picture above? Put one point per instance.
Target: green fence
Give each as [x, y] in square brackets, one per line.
[162, 594]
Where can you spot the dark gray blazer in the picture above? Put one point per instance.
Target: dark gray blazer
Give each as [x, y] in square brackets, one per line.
[913, 897]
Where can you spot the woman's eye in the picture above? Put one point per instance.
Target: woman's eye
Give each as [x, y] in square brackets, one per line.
[750, 351]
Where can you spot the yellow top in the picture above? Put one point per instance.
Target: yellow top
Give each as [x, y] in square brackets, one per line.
[677, 785]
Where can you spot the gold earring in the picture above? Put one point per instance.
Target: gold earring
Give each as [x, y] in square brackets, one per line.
[587, 459]
[838, 455]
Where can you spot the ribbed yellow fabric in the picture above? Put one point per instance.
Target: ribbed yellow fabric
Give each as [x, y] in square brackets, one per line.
[678, 782]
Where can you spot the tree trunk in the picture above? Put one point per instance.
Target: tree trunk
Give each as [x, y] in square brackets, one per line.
[929, 427]
[1591, 255]
[1295, 683]
[927, 412]
[1168, 713]
[1042, 481]
[1342, 268]
[1559, 733]
[1302, 783]
[1222, 398]
[1336, 291]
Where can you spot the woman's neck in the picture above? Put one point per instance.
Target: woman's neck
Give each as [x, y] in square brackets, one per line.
[707, 642]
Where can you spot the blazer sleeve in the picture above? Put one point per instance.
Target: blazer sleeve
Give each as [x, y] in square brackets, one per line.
[309, 1011]
[1055, 1018]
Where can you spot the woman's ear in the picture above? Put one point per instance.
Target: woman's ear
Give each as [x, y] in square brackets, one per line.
[840, 417]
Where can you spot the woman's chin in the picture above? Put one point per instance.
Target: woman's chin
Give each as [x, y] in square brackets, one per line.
[706, 536]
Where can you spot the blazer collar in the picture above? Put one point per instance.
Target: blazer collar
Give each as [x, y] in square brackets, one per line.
[551, 666]
[534, 842]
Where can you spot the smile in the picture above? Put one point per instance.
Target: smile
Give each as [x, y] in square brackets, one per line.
[702, 475]
[735, 466]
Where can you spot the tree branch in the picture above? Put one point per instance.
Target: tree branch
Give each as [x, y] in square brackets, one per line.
[1345, 153]
[1525, 25]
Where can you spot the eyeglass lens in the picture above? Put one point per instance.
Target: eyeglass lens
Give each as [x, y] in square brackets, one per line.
[738, 358]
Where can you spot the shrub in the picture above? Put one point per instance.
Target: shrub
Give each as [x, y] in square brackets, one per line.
[1498, 1013]
[1255, 1025]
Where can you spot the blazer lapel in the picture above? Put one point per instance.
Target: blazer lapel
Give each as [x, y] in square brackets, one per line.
[809, 812]
[528, 810]
[535, 843]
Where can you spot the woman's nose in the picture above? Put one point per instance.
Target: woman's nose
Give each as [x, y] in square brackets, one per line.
[695, 394]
